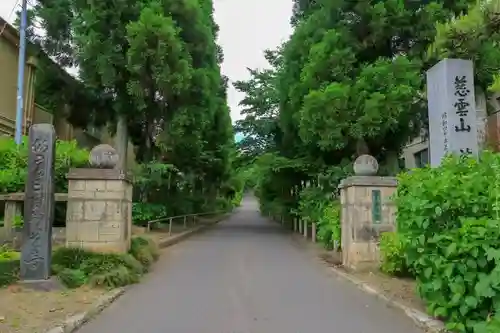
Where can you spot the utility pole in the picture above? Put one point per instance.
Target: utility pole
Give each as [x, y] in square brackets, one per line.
[20, 72]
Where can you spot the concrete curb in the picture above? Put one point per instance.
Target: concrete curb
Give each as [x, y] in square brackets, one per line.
[73, 323]
[421, 319]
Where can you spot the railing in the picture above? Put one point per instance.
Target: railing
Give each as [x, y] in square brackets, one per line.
[14, 210]
[14, 203]
[185, 217]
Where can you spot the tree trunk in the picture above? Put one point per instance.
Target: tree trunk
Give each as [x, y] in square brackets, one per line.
[392, 163]
[121, 142]
[362, 147]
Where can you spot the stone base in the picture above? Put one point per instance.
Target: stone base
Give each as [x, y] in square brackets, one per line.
[99, 211]
[52, 284]
[362, 256]
[111, 247]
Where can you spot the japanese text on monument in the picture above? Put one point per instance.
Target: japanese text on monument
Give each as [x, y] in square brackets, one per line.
[462, 107]
[35, 258]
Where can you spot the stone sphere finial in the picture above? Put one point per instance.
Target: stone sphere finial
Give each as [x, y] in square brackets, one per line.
[365, 165]
[103, 157]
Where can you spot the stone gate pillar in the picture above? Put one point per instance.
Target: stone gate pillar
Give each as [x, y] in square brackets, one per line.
[367, 211]
[99, 212]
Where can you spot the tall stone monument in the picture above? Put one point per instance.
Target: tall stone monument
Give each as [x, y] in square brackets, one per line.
[451, 108]
[38, 205]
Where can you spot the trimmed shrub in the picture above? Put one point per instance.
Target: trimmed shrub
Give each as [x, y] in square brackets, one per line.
[72, 278]
[76, 267]
[145, 251]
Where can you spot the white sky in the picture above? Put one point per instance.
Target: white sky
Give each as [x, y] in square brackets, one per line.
[247, 28]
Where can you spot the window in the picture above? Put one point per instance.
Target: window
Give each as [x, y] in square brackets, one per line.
[421, 158]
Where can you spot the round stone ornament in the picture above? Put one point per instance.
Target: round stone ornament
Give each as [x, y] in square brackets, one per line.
[365, 165]
[103, 157]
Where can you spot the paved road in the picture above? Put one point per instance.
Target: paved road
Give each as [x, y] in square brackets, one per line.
[245, 276]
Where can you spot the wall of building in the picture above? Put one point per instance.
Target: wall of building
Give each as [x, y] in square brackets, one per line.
[410, 152]
[8, 86]
[33, 114]
[419, 145]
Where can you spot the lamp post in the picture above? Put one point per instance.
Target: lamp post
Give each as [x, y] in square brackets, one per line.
[20, 72]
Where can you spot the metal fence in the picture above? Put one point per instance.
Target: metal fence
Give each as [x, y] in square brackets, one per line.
[185, 218]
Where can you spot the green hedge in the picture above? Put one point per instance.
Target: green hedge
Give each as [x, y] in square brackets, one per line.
[14, 162]
[76, 267]
[448, 222]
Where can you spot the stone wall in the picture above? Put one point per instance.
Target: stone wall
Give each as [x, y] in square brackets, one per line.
[99, 213]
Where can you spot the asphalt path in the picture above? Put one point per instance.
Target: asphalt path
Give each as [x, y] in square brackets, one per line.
[245, 275]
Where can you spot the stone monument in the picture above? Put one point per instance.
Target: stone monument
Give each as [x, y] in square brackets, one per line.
[99, 213]
[38, 205]
[103, 157]
[365, 165]
[366, 212]
[452, 110]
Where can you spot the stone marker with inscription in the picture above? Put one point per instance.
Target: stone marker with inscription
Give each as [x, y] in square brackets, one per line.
[38, 205]
[451, 108]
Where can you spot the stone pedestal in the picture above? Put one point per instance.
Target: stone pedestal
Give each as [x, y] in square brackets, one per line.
[99, 213]
[367, 211]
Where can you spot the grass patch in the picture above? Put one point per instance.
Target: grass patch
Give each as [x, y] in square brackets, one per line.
[9, 265]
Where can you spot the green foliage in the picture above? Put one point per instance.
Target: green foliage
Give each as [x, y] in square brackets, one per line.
[474, 36]
[236, 201]
[460, 282]
[18, 221]
[328, 227]
[448, 222]
[76, 267]
[260, 108]
[317, 206]
[72, 278]
[347, 82]
[14, 162]
[143, 212]
[156, 65]
[145, 251]
[312, 203]
[433, 201]
[9, 265]
[393, 255]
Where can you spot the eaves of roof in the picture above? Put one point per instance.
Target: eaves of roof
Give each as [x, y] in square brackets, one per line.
[11, 35]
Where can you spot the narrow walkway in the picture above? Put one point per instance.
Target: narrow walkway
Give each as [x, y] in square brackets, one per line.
[245, 276]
